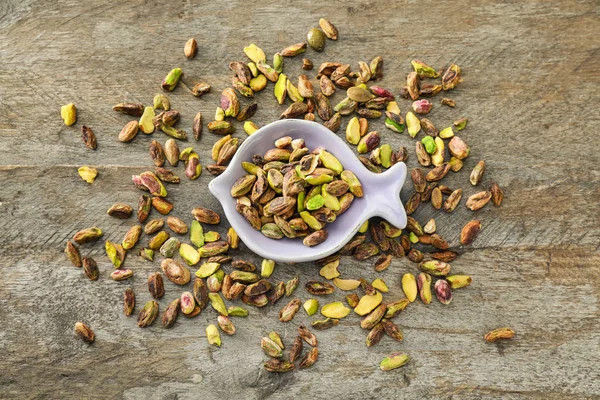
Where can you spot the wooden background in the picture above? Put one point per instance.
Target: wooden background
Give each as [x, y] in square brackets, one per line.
[530, 91]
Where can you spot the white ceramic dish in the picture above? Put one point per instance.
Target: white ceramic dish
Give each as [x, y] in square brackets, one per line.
[381, 193]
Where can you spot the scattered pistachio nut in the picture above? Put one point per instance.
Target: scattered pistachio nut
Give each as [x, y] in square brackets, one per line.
[191, 48]
[497, 334]
[287, 313]
[413, 124]
[87, 235]
[316, 39]
[395, 360]
[435, 267]
[368, 303]
[451, 77]
[424, 70]
[212, 335]
[478, 200]
[73, 254]
[477, 173]
[396, 307]
[88, 174]
[311, 306]
[497, 194]
[327, 323]
[171, 80]
[409, 286]
[90, 268]
[469, 232]
[460, 124]
[146, 123]
[69, 114]
[175, 271]
[133, 109]
[128, 302]
[84, 332]
[443, 291]
[328, 29]
[88, 137]
[335, 310]
[307, 64]
[148, 314]
[267, 267]
[274, 365]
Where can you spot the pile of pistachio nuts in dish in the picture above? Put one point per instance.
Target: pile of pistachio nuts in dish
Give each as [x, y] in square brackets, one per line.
[294, 194]
[320, 190]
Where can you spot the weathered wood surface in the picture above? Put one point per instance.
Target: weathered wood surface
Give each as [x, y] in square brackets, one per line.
[530, 92]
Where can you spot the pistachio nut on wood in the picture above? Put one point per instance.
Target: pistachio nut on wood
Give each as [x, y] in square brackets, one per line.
[469, 232]
[128, 302]
[498, 334]
[296, 349]
[84, 332]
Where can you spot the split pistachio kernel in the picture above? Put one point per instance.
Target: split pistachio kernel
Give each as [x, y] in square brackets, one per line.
[267, 268]
[394, 361]
[311, 306]
[380, 285]
[353, 131]
[212, 335]
[367, 303]
[329, 270]
[207, 269]
[409, 286]
[145, 124]
[413, 124]
[250, 127]
[335, 310]
[255, 53]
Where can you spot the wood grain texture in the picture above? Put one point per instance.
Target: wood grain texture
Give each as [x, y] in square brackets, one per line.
[530, 91]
